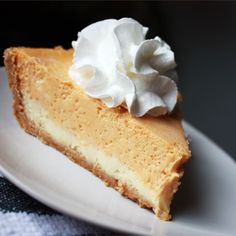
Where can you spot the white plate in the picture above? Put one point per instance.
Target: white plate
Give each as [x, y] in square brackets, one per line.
[204, 205]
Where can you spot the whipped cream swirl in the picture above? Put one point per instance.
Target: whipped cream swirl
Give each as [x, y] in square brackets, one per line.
[113, 62]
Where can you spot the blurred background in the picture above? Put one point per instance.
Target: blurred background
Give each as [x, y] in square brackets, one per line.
[202, 35]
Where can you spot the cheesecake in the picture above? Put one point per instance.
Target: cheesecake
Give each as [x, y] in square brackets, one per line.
[141, 157]
[110, 104]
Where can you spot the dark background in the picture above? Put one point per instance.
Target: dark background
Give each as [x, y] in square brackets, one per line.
[202, 35]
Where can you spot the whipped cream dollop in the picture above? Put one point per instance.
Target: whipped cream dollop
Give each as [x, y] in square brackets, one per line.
[115, 63]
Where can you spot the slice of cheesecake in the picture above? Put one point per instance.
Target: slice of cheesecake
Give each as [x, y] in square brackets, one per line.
[142, 158]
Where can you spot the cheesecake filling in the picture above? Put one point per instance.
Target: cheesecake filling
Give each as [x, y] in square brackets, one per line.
[109, 164]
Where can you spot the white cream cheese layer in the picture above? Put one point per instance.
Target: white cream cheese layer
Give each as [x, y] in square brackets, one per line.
[115, 63]
[109, 164]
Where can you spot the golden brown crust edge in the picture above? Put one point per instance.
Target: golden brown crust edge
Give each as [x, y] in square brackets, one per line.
[14, 65]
